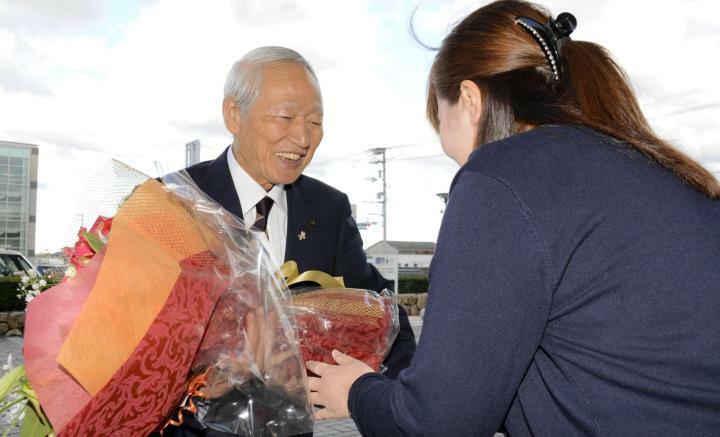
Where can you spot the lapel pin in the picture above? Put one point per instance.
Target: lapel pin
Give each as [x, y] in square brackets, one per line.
[312, 223]
[301, 235]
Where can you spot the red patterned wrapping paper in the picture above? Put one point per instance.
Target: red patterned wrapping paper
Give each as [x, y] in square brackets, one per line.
[145, 389]
[360, 323]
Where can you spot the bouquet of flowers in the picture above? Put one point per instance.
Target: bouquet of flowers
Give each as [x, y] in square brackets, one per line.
[111, 349]
[174, 308]
[88, 244]
[31, 284]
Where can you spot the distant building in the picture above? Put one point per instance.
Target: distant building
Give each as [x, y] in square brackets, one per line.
[18, 196]
[192, 153]
[411, 257]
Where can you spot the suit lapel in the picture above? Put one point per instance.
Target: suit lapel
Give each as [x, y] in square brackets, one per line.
[300, 206]
[218, 184]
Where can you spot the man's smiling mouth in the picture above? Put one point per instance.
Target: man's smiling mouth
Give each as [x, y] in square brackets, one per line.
[288, 155]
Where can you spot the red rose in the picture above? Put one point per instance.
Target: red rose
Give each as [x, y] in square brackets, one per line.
[84, 249]
[102, 226]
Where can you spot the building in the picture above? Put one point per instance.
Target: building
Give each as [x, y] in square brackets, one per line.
[412, 258]
[18, 196]
[192, 153]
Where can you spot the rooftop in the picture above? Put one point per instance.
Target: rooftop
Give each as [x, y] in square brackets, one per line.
[404, 247]
[19, 145]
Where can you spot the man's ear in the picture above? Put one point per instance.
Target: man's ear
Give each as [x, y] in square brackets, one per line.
[471, 100]
[232, 115]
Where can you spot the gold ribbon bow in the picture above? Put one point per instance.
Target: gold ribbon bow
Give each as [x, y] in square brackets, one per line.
[290, 272]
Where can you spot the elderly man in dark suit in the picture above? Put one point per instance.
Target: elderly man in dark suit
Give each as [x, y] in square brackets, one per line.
[273, 108]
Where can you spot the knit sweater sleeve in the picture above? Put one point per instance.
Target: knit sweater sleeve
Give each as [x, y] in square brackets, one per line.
[488, 303]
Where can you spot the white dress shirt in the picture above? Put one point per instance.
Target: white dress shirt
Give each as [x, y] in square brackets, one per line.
[250, 193]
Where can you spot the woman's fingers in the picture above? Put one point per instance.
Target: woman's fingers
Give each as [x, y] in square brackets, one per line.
[317, 367]
[314, 383]
[316, 398]
[342, 358]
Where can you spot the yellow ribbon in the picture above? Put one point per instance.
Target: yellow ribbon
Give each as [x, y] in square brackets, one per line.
[290, 272]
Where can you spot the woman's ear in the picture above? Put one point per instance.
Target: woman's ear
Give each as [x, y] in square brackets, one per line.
[471, 100]
[232, 115]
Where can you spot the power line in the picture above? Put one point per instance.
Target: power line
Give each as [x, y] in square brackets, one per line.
[325, 161]
[396, 146]
[401, 146]
[412, 158]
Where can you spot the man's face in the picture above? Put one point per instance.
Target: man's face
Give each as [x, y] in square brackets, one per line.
[278, 138]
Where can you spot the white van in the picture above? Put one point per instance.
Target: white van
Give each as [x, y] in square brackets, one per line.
[13, 263]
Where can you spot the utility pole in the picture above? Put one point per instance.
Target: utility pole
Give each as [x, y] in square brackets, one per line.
[380, 152]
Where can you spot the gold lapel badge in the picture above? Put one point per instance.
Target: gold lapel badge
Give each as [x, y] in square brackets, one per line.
[301, 235]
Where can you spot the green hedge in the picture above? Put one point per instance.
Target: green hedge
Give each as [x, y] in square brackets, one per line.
[8, 294]
[412, 285]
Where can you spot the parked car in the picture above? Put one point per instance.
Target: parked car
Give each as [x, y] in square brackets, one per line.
[51, 271]
[13, 263]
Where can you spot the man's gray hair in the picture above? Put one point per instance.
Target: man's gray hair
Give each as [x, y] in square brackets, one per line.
[244, 80]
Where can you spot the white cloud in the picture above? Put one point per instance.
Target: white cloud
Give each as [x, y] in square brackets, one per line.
[138, 90]
[40, 16]
[13, 79]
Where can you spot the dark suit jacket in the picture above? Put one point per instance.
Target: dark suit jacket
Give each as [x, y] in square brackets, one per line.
[332, 241]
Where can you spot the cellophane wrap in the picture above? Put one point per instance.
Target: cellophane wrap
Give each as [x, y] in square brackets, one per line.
[360, 323]
[255, 377]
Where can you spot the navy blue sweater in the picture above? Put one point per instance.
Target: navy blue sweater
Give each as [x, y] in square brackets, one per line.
[575, 290]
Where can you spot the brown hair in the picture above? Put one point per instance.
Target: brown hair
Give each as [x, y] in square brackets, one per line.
[519, 89]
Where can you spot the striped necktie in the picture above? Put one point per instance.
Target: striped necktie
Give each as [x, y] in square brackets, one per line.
[262, 212]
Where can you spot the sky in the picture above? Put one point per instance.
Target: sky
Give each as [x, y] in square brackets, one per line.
[90, 80]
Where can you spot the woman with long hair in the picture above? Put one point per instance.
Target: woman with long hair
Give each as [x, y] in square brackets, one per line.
[575, 288]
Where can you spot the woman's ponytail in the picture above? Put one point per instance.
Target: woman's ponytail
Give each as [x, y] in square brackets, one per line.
[607, 103]
[522, 87]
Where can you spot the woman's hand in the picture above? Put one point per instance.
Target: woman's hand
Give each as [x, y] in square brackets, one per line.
[332, 388]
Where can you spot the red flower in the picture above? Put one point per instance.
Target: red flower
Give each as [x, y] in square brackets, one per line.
[101, 227]
[84, 250]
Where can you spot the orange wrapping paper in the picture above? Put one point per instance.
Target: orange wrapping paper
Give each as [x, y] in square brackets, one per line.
[129, 291]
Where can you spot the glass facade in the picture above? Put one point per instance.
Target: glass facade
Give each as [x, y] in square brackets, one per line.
[18, 191]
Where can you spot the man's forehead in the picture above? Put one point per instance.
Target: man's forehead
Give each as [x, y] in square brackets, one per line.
[291, 103]
[277, 79]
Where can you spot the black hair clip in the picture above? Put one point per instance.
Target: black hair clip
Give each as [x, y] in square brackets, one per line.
[550, 36]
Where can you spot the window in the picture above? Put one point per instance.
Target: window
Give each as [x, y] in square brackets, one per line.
[13, 264]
